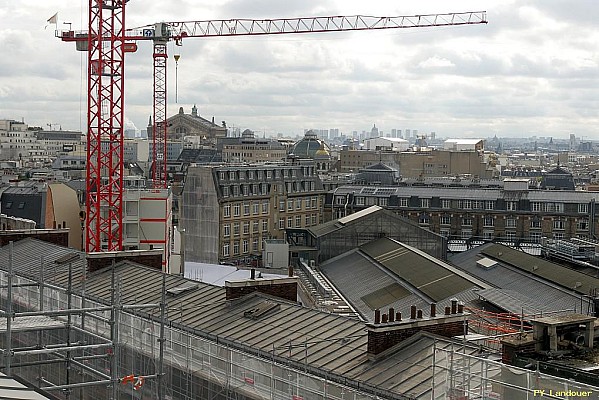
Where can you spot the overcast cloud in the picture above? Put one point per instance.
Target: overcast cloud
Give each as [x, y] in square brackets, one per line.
[532, 70]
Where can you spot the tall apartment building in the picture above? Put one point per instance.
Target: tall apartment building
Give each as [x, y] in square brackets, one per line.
[18, 142]
[60, 142]
[507, 210]
[228, 211]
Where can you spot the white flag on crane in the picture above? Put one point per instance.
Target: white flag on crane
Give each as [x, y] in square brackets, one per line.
[52, 20]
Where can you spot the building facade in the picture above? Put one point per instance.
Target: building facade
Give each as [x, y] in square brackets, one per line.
[228, 211]
[18, 142]
[415, 164]
[251, 149]
[181, 125]
[507, 210]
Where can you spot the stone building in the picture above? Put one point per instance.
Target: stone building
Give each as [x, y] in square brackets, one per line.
[511, 210]
[228, 211]
[251, 149]
[181, 125]
[417, 164]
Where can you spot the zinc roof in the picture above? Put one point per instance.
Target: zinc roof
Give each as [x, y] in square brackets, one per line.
[568, 278]
[386, 273]
[518, 286]
[324, 343]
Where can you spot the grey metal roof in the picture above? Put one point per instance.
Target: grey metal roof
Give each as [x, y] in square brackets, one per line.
[505, 276]
[568, 278]
[476, 193]
[399, 275]
[513, 301]
[12, 389]
[334, 225]
[329, 343]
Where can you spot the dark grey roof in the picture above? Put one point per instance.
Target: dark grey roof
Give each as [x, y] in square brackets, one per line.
[520, 282]
[12, 389]
[325, 343]
[473, 193]
[386, 273]
[331, 226]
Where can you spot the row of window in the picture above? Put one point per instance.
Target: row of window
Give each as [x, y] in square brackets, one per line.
[259, 174]
[509, 236]
[489, 222]
[583, 208]
[244, 227]
[310, 203]
[239, 247]
[262, 189]
[309, 220]
[255, 207]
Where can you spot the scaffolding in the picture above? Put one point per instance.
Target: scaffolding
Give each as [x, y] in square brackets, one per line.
[461, 376]
[112, 350]
[45, 325]
[104, 350]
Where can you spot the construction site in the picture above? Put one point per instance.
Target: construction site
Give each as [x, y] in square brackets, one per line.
[126, 330]
[113, 322]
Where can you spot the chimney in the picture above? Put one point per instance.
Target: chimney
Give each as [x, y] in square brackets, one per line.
[385, 335]
[433, 310]
[391, 314]
[454, 306]
[290, 271]
[100, 260]
[252, 274]
[285, 288]
[460, 308]
[413, 312]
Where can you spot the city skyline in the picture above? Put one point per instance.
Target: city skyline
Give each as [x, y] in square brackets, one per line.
[530, 71]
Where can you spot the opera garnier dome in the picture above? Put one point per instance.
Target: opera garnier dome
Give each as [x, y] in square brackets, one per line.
[313, 148]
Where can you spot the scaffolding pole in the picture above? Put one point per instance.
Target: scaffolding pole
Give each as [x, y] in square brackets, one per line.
[162, 339]
[9, 312]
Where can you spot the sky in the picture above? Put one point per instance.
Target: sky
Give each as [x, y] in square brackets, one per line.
[533, 70]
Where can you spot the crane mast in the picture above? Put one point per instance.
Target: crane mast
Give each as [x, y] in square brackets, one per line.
[104, 170]
[107, 41]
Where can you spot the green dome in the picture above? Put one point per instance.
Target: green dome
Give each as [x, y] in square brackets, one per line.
[309, 147]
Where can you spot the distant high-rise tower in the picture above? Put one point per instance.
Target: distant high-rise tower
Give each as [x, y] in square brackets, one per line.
[393, 133]
[374, 132]
[407, 134]
[433, 135]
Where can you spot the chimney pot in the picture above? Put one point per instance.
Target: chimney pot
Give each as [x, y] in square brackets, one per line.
[454, 306]
[419, 314]
[447, 310]
[377, 316]
[391, 314]
[384, 318]
[433, 310]
[413, 312]
[398, 316]
[252, 274]
[460, 308]
[290, 271]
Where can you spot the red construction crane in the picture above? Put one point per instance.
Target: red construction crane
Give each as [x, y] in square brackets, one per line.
[107, 41]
